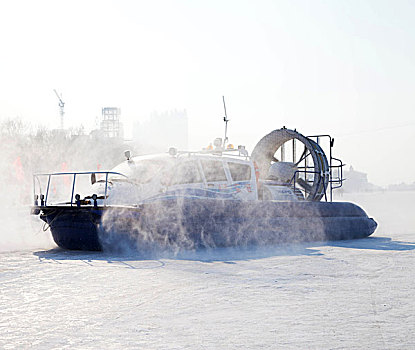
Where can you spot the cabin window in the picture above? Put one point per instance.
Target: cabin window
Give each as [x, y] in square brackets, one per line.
[213, 170]
[185, 173]
[239, 172]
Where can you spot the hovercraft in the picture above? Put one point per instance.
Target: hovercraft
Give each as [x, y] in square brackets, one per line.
[218, 197]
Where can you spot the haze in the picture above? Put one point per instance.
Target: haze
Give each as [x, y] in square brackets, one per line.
[345, 68]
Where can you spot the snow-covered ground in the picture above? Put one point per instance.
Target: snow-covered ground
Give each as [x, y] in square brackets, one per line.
[333, 295]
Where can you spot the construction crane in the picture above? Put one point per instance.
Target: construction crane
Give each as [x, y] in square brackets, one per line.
[61, 107]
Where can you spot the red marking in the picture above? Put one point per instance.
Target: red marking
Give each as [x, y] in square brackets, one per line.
[256, 172]
[64, 167]
[66, 180]
[18, 168]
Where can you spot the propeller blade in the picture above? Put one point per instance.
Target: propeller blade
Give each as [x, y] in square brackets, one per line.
[303, 156]
[304, 185]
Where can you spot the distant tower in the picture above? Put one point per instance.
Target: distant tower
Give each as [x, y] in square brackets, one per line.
[110, 122]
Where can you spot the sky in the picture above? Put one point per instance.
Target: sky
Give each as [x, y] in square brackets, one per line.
[344, 68]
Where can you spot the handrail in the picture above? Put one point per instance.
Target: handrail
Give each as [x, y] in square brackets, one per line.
[80, 173]
[325, 183]
[47, 190]
[340, 179]
[73, 188]
[49, 175]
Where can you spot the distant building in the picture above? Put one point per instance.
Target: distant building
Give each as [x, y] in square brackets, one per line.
[162, 131]
[110, 122]
[356, 181]
[402, 187]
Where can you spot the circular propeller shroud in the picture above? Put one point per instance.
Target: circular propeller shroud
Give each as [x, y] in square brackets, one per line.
[265, 149]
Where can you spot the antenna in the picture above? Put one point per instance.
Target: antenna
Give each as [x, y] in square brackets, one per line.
[61, 107]
[225, 119]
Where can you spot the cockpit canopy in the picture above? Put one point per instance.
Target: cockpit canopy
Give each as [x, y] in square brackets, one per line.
[142, 170]
[183, 170]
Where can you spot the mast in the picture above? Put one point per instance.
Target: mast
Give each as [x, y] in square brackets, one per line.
[61, 106]
[225, 119]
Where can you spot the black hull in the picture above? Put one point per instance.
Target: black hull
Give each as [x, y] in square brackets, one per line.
[74, 228]
[197, 223]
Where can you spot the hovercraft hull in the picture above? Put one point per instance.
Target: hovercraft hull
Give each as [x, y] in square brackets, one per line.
[196, 223]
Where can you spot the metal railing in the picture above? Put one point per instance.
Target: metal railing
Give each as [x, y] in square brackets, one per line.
[329, 184]
[44, 196]
[332, 180]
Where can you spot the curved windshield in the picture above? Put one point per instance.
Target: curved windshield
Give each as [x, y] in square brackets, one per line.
[140, 171]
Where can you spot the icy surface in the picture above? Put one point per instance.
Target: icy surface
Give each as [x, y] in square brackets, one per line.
[336, 295]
